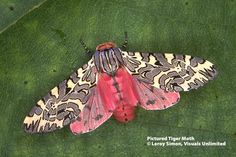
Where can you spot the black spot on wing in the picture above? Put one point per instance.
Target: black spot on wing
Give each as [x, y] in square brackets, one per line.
[99, 116]
[150, 102]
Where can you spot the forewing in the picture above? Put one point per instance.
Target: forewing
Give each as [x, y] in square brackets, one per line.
[170, 72]
[153, 98]
[64, 103]
[92, 116]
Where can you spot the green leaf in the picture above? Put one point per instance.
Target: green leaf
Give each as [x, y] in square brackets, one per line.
[12, 10]
[42, 48]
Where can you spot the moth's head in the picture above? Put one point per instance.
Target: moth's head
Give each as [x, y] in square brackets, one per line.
[105, 46]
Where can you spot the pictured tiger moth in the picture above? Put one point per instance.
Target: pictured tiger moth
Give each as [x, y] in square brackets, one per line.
[115, 82]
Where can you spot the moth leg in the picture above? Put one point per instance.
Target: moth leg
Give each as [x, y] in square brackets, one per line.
[87, 50]
[124, 46]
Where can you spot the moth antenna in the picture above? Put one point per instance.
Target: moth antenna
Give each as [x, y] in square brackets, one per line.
[124, 46]
[85, 47]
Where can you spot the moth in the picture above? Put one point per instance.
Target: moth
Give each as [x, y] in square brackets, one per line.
[115, 82]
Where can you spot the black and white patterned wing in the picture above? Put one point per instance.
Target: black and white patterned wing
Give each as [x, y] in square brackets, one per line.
[63, 104]
[170, 72]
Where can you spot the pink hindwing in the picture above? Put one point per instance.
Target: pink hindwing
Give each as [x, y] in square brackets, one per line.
[152, 98]
[92, 116]
[114, 82]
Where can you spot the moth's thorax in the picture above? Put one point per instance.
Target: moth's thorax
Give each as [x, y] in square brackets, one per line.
[105, 46]
[108, 58]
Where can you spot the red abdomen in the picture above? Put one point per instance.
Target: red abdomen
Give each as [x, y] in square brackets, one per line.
[119, 95]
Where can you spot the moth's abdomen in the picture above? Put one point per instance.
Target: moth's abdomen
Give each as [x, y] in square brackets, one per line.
[124, 112]
[119, 94]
